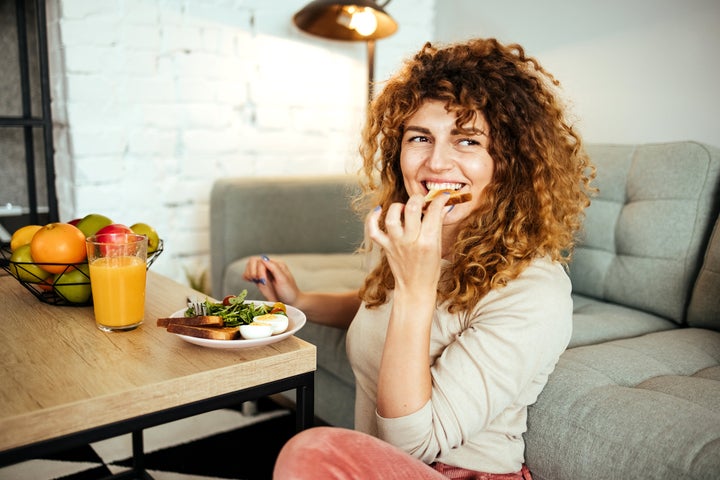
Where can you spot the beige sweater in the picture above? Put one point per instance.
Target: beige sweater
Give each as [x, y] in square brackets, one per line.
[484, 376]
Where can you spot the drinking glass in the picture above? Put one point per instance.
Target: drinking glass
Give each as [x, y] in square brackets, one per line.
[117, 264]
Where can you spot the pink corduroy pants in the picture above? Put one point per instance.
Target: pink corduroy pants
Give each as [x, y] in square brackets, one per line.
[336, 453]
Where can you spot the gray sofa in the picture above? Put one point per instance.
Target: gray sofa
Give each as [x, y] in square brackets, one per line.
[637, 393]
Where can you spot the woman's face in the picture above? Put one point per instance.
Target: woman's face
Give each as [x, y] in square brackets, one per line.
[434, 154]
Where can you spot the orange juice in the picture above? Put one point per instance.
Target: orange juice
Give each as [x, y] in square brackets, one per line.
[118, 288]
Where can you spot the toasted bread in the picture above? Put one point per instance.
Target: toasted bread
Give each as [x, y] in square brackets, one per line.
[455, 197]
[202, 320]
[212, 333]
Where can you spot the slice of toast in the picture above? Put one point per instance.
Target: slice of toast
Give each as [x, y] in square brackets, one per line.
[211, 333]
[201, 320]
[455, 197]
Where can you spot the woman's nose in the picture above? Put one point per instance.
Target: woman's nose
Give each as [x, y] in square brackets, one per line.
[440, 158]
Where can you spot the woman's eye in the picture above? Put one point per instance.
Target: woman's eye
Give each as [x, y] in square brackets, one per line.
[418, 139]
[468, 142]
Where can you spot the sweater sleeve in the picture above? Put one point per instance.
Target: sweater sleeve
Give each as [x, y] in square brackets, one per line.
[492, 369]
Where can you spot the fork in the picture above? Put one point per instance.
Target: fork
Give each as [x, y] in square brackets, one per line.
[197, 305]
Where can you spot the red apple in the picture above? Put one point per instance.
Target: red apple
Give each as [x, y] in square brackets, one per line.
[115, 233]
[114, 228]
[74, 221]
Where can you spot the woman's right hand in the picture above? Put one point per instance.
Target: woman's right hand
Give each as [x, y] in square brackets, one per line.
[273, 278]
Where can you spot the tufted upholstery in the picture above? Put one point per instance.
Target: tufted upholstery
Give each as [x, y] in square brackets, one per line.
[643, 239]
[645, 231]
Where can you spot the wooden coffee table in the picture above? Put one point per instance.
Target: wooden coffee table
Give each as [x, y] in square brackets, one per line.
[65, 383]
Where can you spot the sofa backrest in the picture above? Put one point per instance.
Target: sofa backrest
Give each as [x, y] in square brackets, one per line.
[305, 215]
[645, 233]
[704, 310]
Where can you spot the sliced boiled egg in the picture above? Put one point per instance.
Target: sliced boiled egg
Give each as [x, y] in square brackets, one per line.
[256, 330]
[278, 322]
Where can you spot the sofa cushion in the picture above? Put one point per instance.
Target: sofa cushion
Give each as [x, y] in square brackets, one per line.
[597, 321]
[704, 310]
[644, 233]
[644, 407]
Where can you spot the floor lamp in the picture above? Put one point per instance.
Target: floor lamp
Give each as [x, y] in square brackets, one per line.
[359, 20]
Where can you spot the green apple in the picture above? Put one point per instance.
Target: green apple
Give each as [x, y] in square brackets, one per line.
[93, 222]
[23, 267]
[150, 233]
[74, 285]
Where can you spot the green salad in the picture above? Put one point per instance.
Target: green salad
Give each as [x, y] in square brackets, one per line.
[234, 311]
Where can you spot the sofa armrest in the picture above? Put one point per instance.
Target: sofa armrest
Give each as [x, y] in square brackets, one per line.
[250, 216]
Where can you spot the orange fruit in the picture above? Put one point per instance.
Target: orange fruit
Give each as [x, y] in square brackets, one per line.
[59, 243]
[22, 236]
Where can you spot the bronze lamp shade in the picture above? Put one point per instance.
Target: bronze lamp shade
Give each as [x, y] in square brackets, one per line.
[330, 19]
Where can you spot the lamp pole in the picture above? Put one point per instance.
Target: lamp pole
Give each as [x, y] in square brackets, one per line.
[371, 68]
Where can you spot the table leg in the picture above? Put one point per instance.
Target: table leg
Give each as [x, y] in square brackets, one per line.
[305, 406]
[138, 449]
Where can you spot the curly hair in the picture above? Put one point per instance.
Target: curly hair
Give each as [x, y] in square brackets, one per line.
[534, 204]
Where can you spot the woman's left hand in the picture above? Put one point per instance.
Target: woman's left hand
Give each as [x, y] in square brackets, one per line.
[412, 241]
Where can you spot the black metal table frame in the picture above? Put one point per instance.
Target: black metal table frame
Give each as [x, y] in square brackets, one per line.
[303, 384]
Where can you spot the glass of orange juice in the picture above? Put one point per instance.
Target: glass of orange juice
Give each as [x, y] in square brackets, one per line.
[117, 279]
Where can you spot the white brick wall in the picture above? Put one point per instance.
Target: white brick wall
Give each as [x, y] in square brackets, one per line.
[155, 99]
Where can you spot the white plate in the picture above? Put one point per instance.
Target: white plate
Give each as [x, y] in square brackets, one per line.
[296, 320]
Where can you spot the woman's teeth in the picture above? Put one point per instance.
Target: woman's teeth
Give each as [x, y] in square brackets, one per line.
[443, 186]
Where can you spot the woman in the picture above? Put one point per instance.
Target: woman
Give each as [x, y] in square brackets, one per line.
[466, 308]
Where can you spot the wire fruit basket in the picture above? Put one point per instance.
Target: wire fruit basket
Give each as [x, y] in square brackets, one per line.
[54, 290]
